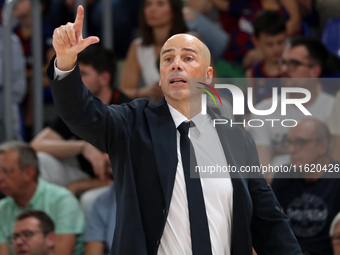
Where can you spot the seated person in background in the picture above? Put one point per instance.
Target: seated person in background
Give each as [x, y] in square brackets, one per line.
[230, 11]
[270, 39]
[334, 234]
[311, 199]
[101, 224]
[210, 33]
[160, 19]
[20, 182]
[241, 52]
[33, 234]
[302, 58]
[54, 144]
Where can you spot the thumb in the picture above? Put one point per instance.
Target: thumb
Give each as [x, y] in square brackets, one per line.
[88, 41]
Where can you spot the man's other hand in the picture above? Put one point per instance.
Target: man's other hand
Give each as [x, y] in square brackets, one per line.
[99, 160]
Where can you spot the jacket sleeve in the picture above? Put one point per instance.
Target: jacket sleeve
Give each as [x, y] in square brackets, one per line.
[105, 127]
[271, 233]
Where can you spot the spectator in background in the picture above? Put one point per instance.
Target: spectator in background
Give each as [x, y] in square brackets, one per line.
[303, 58]
[210, 33]
[22, 11]
[313, 197]
[54, 144]
[270, 38]
[159, 20]
[230, 11]
[33, 234]
[334, 234]
[20, 182]
[101, 224]
[18, 86]
[240, 53]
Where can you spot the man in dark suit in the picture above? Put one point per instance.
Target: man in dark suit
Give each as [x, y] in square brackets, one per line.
[148, 153]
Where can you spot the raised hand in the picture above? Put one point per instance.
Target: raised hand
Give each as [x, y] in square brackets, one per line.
[68, 41]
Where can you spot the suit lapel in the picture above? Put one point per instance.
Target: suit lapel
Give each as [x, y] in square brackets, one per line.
[164, 140]
[239, 223]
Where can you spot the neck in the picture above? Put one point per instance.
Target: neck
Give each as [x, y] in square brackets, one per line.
[323, 161]
[26, 194]
[106, 95]
[187, 109]
[50, 252]
[272, 68]
[161, 34]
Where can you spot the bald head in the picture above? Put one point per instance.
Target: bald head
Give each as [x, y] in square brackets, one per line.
[315, 127]
[187, 39]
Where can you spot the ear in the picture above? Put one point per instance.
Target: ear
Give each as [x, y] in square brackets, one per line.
[160, 83]
[323, 147]
[105, 78]
[29, 172]
[50, 239]
[315, 71]
[209, 74]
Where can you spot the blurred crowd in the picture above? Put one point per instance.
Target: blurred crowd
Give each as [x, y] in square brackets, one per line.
[57, 192]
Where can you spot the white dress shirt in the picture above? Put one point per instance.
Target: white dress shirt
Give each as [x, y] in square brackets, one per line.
[217, 192]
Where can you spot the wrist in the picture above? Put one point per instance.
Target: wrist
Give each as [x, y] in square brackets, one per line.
[66, 63]
[82, 147]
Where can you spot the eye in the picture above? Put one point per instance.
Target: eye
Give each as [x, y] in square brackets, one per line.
[168, 59]
[189, 58]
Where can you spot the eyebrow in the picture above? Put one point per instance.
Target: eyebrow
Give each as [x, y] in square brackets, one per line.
[183, 49]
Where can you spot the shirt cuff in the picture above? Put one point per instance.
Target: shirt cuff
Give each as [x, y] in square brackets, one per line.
[58, 74]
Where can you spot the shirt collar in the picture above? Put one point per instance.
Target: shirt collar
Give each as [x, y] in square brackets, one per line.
[39, 190]
[33, 199]
[178, 118]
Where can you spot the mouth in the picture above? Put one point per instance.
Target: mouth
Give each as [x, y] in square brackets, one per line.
[177, 80]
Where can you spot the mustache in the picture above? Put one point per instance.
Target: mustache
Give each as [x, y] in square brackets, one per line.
[177, 74]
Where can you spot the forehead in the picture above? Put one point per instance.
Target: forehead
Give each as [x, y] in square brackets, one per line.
[181, 43]
[86, 68]
[29, 223]
[297, 52]
[302, 130]
[10, 157]
[268, 37]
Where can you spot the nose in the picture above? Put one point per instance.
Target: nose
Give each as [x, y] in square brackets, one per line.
[18, 242]
[177, 64]
[292, 149]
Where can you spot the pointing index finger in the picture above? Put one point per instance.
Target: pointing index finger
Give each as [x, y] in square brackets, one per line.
[78, 23]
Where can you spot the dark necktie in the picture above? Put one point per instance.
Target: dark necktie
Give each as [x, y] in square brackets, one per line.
[200, 238]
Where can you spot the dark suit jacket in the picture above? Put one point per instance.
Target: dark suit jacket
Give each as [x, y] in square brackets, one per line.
[141, 143]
